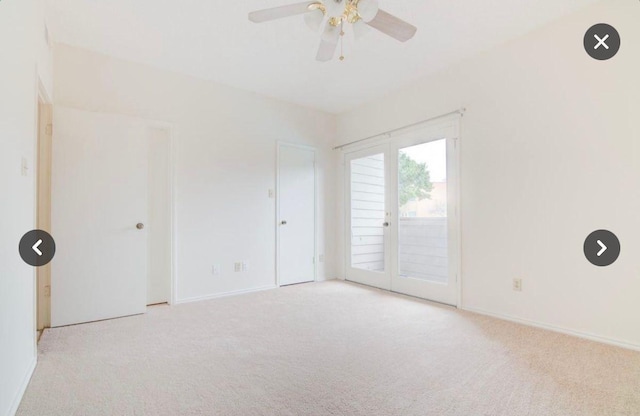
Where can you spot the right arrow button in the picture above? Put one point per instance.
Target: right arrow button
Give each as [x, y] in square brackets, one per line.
[601, 248]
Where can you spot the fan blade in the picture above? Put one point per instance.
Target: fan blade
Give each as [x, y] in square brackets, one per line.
[274, 13]
[392, 26]
[314, 19]
[360, 29]
[326, 51]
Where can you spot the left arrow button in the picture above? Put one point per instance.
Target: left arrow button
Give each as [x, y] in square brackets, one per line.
[37, 248]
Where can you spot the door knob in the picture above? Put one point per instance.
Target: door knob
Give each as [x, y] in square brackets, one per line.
[386, 224]
[139, 226]
[283, 222]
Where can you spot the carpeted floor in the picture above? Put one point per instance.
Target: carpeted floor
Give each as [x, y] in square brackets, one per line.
[330, 348]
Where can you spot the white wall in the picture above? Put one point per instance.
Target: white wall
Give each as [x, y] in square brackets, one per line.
[23, 50]
[225, 156]
[550, 152]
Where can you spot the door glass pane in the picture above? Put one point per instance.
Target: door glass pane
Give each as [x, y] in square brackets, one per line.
[422, 202]
[367, 213]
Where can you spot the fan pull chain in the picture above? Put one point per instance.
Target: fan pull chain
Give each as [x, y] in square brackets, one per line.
[342, 41]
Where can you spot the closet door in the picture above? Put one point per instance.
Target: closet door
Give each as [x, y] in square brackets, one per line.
[99, 212]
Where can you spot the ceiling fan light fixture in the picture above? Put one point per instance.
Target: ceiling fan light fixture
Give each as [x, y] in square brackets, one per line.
[336, 14]
[367, 9]
[335, 8]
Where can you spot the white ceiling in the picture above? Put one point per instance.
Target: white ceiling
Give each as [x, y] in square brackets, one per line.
[214, 40]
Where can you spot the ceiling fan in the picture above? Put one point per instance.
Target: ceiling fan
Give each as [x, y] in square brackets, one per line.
[335, 14]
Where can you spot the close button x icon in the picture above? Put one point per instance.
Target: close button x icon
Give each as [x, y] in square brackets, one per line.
[601, 41]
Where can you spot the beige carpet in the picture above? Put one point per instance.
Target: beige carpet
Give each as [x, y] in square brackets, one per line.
[330, 348]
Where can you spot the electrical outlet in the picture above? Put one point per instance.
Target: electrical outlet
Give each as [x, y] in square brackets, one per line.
[321, 258]
[517, 285]
[237, 267]
[245, 266]
[271, 193]
[215, 270]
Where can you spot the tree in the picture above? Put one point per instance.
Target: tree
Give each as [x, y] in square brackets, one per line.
[415, 181]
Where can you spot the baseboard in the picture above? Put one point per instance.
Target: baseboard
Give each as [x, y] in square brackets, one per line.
[555, 328]
[23, 388]
[325, 279]
[224, 294]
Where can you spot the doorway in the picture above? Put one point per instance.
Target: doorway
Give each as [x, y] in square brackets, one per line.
[296, 214]
[402, 213]
[159, 257]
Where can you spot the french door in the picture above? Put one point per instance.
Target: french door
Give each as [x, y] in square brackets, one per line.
[368, 217]
[402, 216]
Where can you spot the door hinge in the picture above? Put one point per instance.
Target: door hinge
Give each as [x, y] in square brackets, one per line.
[48, 130]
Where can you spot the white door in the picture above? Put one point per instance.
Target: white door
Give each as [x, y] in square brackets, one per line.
[99, 195]
[296, 214]
[401, 214]
[367, 217]
[424, 204]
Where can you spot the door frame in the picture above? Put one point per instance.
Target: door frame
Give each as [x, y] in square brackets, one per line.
[279, 145]
[388, 139]
[169, 128]
[40, 303]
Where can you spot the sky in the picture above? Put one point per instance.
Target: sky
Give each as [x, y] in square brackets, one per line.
[434, 154]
